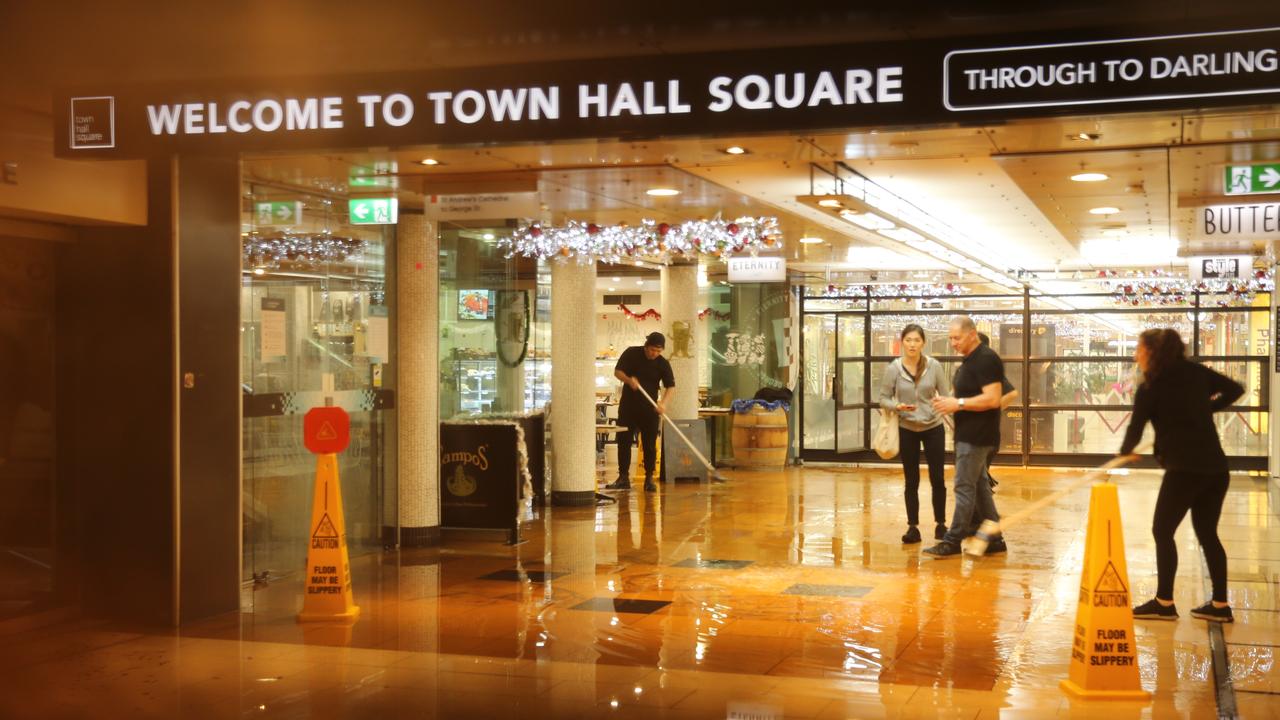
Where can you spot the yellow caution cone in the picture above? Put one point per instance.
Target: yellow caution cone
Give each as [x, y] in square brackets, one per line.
[1104, 659]
[328, 593]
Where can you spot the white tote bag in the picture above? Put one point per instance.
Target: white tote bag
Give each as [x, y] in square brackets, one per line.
[885, 442]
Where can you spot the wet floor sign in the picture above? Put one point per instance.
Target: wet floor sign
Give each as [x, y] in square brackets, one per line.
[328, 594]
[1104, 660]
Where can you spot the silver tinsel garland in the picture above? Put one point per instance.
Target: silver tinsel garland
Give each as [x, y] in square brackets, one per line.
[588, 242]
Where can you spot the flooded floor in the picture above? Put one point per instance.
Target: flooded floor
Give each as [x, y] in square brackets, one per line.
[775, 594]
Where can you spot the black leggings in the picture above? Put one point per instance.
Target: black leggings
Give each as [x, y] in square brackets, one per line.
[935, 445]
[1202, 494]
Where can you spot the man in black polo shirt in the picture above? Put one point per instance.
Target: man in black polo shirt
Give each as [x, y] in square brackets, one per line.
[641, 367]
[976, 407]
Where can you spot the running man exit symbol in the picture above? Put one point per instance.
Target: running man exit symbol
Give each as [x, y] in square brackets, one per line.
[1252, 179]
[373, 211]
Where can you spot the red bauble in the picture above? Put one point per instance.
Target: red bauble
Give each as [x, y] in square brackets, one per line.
[663, 229]
[732, 228]
[592, 229]
[535, 232]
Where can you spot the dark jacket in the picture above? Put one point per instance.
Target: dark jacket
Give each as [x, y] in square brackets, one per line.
[1180, 403]
[633, 409]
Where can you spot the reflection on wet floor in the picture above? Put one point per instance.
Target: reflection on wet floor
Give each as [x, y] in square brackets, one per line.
[775, 594]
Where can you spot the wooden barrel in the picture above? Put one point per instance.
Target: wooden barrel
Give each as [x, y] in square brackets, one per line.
[760, 438]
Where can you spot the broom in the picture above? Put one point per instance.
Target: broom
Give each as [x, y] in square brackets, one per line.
[991, 529]
[715, 474]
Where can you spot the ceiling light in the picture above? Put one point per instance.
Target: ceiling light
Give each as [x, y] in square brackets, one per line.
[1090, 177]
[1105, 210]
[735, 150]
[1084, 136]
[639, 282]
[662, 192]
[428, 161]
[617, 279]
[613, 289]
[830, 202]
[487, 236]
[259, 271]
[1118, 231]
[810, 240]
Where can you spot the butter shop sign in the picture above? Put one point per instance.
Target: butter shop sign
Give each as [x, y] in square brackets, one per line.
[792, 89]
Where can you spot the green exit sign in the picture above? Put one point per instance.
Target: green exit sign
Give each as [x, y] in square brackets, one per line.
[277, 213]
[373, 211]
[380, 174]
[1252, 179]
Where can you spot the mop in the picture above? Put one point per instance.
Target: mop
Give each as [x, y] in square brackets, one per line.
[991, 529]
[715, 474]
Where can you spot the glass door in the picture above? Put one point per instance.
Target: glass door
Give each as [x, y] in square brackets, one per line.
[853, 384]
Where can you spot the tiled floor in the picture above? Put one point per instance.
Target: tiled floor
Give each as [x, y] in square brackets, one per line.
[776, 594]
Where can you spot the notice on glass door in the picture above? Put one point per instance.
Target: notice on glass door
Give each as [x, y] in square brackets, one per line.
[271, 335]
[377, 337]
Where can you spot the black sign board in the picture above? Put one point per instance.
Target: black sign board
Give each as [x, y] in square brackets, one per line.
[92, 123]
[1222, 267]
[794, 89]
[479, 476]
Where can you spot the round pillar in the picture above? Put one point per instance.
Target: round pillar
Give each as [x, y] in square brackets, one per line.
[417, 408]
[573, 401]
[679, 322]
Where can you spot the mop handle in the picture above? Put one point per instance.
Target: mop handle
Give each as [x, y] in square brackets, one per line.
[675, 427]
[1099, 473]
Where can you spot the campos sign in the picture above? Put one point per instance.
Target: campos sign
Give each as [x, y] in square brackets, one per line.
[795, 89]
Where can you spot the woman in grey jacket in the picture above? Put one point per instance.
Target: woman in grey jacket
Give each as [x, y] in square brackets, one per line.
[909, 383]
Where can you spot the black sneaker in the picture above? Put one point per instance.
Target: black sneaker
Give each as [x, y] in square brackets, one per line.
[939, 531]
[912, 536]
[943, 549]
[619, 484]
[996, 547]
[1153, 610]
[1208, 611]
[649, 486]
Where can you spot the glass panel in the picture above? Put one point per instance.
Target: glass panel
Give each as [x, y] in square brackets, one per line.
[1110, 301]
[1100, 334]
[1243, 433]
[1080, 431]
[316, 302]
[812, 305]
[852, 383]
[819, 379]
[1249, 374]
[851, 431]
[1069, 382]
[1004, 330]
[852, 335]
[1235, 333]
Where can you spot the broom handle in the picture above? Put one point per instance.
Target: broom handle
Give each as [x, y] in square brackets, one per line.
[676, 428]
[1092, 476]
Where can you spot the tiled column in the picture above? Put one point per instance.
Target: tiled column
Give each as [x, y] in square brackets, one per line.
[417, 406]
[679, 320]
[573, 409]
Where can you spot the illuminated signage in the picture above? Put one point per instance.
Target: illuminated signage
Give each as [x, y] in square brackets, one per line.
[1251, 179]
[373, 211]
[1256, 220]
[1235, 267]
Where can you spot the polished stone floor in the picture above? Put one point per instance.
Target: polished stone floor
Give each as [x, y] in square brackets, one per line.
[775, 594]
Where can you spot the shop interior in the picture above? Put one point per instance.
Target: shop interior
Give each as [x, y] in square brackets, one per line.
[1064, 238]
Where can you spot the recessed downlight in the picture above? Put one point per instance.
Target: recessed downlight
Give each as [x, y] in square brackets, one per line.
[1116, 231]
[810, 240]
[662, 192]
[428, 161]
[735, 150]
[1104, 210]
[1084, 136]
[830, 203]
[1090, 177]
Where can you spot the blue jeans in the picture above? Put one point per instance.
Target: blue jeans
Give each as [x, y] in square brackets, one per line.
[974, 502]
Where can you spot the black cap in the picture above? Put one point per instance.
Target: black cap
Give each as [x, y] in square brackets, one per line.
[656, 339]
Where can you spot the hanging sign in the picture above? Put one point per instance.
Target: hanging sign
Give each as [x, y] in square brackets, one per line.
[490, 206]
[1233, 222]
[373, 211]
[1251, 179]
[757, 269]
[1233, 267]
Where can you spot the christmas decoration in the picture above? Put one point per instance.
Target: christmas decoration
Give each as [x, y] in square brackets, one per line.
[914, 290]
[714, 314]
[588, 242]
[300, 250]
[649, 314]
[1153, 289]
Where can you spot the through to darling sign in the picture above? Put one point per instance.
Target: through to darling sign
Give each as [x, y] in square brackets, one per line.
[794, 89]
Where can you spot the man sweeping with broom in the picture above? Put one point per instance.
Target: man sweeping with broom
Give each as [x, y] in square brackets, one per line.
[641, 369]
[976, 407]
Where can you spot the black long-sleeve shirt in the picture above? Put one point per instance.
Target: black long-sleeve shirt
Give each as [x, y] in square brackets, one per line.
[1180, 403]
